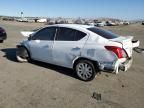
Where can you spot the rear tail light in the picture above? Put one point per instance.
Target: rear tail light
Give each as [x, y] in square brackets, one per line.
[117, 50]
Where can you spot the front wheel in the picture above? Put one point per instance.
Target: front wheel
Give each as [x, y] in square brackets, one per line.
[1, 41]
[85, 70]
[22, 54]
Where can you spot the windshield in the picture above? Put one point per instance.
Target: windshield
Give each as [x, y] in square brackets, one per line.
[103, 33]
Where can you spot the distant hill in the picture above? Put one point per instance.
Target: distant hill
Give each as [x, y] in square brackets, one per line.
[109, 19]
[90, 19]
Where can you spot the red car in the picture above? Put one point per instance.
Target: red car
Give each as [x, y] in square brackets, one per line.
[3, 35]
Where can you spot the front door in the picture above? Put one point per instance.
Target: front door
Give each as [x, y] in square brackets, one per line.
[41, 44]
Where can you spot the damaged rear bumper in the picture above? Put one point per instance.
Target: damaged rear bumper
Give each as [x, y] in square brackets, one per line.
[119, 65]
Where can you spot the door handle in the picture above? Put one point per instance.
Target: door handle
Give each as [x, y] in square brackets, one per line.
[76, 48]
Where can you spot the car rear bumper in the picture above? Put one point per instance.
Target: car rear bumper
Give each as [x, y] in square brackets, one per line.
[116, 66]
[126, 65]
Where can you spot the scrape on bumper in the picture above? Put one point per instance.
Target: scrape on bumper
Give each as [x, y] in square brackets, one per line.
[116, 66]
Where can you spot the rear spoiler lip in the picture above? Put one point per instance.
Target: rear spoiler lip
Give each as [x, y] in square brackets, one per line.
[130, 37]
[119, 39]
[135, 43]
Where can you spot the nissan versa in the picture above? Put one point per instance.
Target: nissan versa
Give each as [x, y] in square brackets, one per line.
[85, 49]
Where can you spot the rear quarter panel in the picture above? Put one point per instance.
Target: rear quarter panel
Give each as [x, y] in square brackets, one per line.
[97, 52]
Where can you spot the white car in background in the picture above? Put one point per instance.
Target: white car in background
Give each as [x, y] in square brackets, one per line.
[22, 20]
[42, 20]
[86, 49]
[100, 24]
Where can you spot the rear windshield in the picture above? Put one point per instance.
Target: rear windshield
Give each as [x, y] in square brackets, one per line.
[103, 33]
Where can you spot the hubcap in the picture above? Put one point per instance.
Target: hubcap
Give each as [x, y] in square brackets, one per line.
[84, 70]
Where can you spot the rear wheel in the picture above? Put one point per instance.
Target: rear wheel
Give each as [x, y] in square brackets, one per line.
[85, 70]
[22, 54]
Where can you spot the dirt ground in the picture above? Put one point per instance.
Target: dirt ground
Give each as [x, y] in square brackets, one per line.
[40, 85]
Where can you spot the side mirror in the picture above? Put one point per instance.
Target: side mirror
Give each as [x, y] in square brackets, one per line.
[30, 37]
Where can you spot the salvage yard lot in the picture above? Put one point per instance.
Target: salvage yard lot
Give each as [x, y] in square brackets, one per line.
[40, 85]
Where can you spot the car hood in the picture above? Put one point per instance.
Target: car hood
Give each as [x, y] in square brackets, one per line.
[27, 33]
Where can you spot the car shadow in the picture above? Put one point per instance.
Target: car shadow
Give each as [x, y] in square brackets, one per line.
[59, 69]
[10, 54]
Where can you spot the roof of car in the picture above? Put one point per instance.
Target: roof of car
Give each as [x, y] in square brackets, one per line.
[73, 26]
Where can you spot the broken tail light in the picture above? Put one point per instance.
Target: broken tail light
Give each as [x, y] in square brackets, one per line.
[117, 50]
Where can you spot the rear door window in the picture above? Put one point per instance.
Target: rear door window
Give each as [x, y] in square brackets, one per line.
[67, 34]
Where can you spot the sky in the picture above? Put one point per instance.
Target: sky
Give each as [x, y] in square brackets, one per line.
[121, 9]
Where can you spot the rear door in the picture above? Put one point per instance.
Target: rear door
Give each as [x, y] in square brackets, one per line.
[67, 46]
[41, 44]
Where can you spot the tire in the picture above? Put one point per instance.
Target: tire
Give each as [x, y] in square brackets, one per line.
[22, 55]
[1, 41]
[85, 70]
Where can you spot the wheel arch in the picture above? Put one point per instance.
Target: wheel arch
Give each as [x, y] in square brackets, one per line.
[95, 63]
[23, 46]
